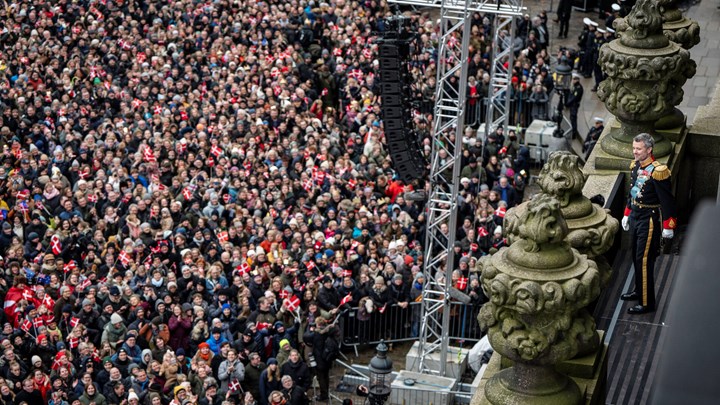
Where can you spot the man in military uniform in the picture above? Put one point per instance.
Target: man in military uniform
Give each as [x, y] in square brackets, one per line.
[650, 206]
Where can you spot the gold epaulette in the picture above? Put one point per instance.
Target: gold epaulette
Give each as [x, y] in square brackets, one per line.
[632, 164]
[661, 171]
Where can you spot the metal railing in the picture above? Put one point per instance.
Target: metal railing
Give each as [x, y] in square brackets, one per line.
[521, 111]
[398, 324]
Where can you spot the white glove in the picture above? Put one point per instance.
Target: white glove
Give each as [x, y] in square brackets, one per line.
[625, 223]
[668, 233]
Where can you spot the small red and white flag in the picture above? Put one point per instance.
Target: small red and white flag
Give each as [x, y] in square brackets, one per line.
[28, 295]
[482, 232]
[461, 283]
[308, 185]
[474, 247]
[136, 103]
[26, 325]
[48, 302]
[500, 212]
[73, 342]
[55, 245]
[292, 303]
[84, 284]
[243, 269]
[283, 294]
[149, 155]
[124, 258]
[187, 194]
[216, 151]
[74, 321]
[347, 299]
[92, 198]
[157, 110]
[38, 322]
[69, 266]
[223, 237]
[310, 265]
[234, 385]
[351, 184]
[382, 309]
[23, 195]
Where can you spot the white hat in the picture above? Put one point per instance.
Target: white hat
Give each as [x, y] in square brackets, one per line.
[115, 318]
[498, 229]
[392, 246]
[588, 21]
[598, 119]
[600, 30]
[615, 7]
[610, 30]
[251, 253]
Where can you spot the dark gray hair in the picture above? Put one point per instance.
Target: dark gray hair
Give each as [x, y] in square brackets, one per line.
[647, 139]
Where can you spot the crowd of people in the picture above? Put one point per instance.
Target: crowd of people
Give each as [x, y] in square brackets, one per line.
[192, 193]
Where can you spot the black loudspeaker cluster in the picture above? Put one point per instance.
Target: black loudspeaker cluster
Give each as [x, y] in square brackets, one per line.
[395, 84]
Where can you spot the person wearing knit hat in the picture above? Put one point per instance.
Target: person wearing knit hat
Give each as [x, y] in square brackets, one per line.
[179, 393]
[36, 361]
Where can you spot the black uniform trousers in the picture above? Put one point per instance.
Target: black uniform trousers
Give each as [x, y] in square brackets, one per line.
[645, 236]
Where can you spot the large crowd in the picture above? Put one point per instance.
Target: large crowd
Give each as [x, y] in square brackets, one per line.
[192, 193]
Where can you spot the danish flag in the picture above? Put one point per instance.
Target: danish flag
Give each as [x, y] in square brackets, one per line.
[73, 342]
[37, 322]
[500, 212]
[482, 232]
[55, 245]
[124, 258]
[234, 385]
[187, 194]
[461, 283]
[216, 151]
[23, 195]
[149, 155]
[157, 110]
[48, 301]
[26, 325]
[262, 325]
[136, 103]
[308, 185]
[210, 162]
[70, 266]
[92, 198]
[243, 269]
[283, 294]
[74, 321]
[310, 265]
[382, 309]
[223, 237]
[347, 299]
[84, 284]
[292, 303]
[352, 183]
[346, 273]
[269, 59]
[39, 205]
[474, 247]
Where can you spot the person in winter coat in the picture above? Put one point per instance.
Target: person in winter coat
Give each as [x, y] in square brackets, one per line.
[180, 325]
[215, 340]
[269, 381]
[319, 337]
[296, 368]
[91, 396]
[230, 369]
[253, 370]
[114, 332]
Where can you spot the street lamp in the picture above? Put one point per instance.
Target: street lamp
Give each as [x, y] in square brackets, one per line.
[380, 370]
[563, 76]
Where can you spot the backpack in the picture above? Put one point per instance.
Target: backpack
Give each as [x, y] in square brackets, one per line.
[331, 349]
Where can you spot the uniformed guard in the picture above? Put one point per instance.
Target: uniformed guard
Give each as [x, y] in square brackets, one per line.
[649, 216]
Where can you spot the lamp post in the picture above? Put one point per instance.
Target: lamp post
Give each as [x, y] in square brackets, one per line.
[563, 75]
[380, 370]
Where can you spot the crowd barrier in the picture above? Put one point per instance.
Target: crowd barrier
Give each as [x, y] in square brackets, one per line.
[398, 324]
[522, 110]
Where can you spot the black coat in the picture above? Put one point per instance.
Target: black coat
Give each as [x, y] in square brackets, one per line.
[299, 372]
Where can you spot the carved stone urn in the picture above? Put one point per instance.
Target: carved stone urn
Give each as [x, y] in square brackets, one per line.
[684, 32]
[645, 74]
[538, 288]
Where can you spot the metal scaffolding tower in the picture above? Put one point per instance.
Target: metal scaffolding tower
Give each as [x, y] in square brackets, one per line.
[449, 114]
